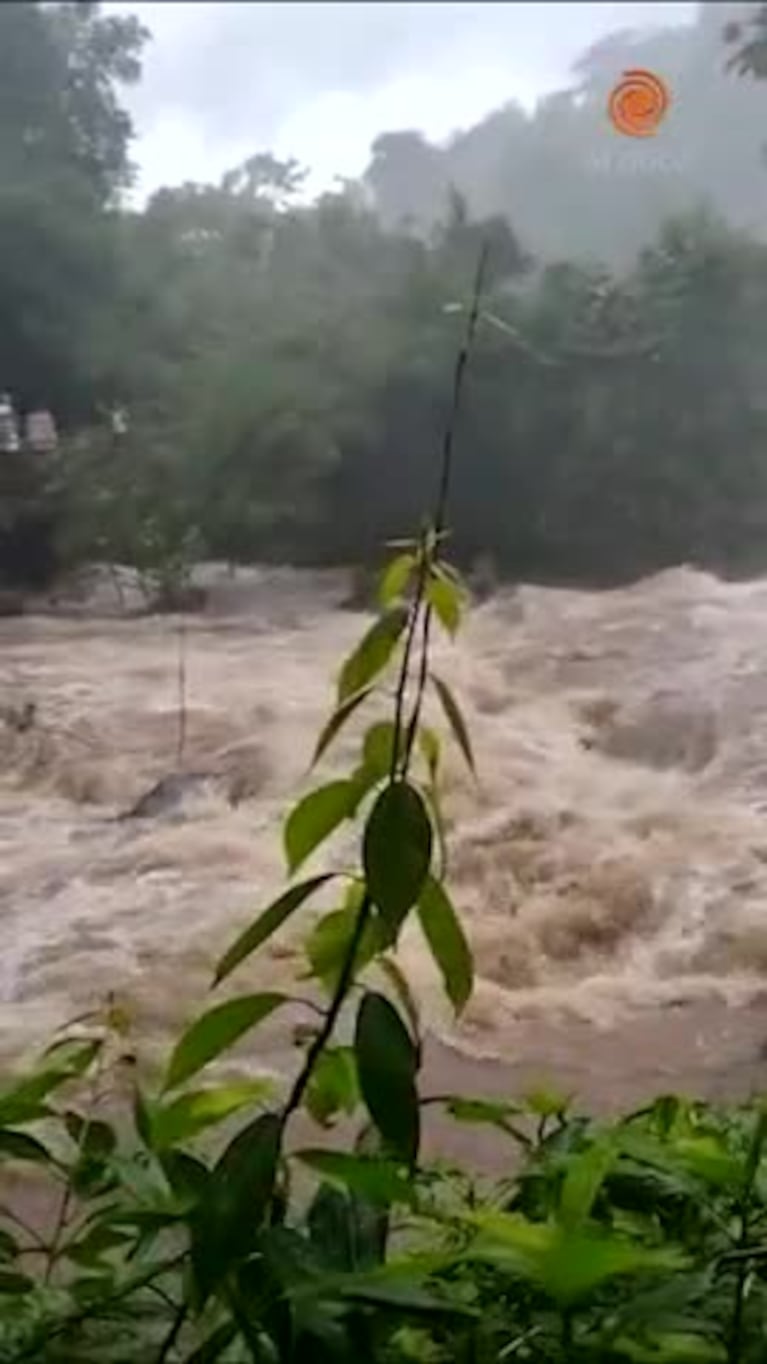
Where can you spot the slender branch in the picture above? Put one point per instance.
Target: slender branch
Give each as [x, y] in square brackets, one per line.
[448, 444]
[93, 1309]
[461, 362]
[173, 1333]
[39, 1242]
[331, 1017]
[429, 548]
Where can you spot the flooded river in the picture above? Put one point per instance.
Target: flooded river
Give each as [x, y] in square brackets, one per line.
[611, 865]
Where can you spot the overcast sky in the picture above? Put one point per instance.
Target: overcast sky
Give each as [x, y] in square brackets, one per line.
[320, 81]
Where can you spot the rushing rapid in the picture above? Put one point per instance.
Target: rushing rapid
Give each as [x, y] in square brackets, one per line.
[611, 864]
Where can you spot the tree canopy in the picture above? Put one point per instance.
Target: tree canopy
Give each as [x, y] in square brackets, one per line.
[286, 362]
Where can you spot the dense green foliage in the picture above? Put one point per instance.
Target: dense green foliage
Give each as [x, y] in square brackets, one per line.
[282, 361]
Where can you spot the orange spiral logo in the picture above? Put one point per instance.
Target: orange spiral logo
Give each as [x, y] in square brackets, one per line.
[638, 104]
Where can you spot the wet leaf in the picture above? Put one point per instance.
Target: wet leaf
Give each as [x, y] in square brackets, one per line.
[314, 819]
[338, 720]
[217, 1030]
[405, 995]
[373, 1178]
[228, 1220]
[333, 1088]
[328, 943]
[372, 653]
[447, 941]
[445, 599]
[396, 852]
[214, 1345]
[395, 579]
[267, 923]
[387, 1065]
[566, 1265]
[455, 719]
[12, 1282]
[584, 1177]
[378, 748]
[95, 1138]
[547, 1102]
[20, 1146]
[190, 1114]
[429, 744]
[347, 1229]
[402, 1297]
[485, 1112]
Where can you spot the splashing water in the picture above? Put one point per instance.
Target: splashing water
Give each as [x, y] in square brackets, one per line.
[612, 859]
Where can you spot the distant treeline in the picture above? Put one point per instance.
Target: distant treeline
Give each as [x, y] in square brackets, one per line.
[286, 368]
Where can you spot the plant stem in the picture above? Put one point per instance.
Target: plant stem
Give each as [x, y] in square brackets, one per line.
[331, 1017]
[32, 1348]
[173, 1333]
[396, 771]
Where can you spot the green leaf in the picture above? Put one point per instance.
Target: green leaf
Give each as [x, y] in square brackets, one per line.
[188, 1177]
[23, 1102]
[267, 923]
[20, 1146]
[490, 1112]
[347, 1230]
[445, 936]
[566, 1265]
[444, 597]
[73, 1057]
[387, 1064]
[395, 579]
[584, 1177]
[547, 1102]
[217, 1030]
[314, 819]
[373, 1178]
[9, 1248]
[396, 852]
[372, 653]
[11, 1282]
[90, 1249]
[142, 1117]
[378, 748]
[333, 1088]
[192, 1113]
[670, 1347]
[328, 943]
[337, 721]
[429, 744]
[215, 1344]
[405, 995]
[228, 1220]
[401, 1297]
[94, 1138]
[455, 719]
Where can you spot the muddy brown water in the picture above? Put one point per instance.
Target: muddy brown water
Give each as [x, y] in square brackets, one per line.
[610, 866]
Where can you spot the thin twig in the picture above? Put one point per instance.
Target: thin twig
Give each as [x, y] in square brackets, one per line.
[173, 1333]
[93, 1309]
[395, 772]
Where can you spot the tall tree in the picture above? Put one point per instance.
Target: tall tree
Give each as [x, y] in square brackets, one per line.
[64, 142]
